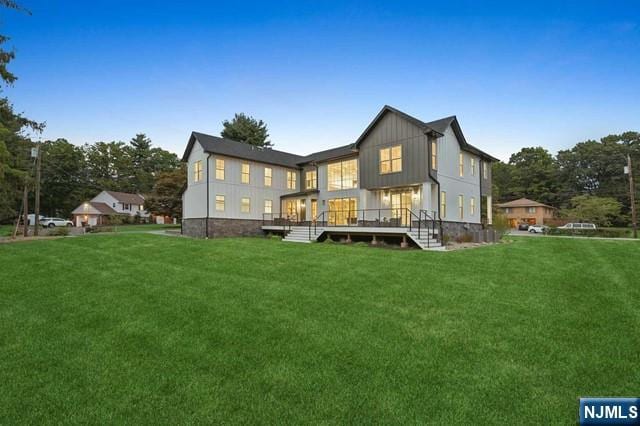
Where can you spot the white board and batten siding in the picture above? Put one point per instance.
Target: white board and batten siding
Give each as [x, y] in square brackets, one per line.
[232, 188]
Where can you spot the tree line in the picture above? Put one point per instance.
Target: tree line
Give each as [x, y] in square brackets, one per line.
[584, 182]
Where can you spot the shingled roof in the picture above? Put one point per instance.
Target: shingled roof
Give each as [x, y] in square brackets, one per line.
[524, 202]
[127, 198]
[231, 148]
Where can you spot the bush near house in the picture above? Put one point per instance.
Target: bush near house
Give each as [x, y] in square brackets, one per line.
[599, 232]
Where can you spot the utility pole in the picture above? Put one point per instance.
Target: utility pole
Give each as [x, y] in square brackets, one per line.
[25, 210]
[632, 196]
[37, 201]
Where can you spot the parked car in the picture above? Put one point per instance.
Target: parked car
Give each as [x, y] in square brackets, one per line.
[50, 222]
[523, 227]
[578, 226]
[535, 229]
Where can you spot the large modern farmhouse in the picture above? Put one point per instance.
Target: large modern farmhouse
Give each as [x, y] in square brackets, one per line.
[402, 177]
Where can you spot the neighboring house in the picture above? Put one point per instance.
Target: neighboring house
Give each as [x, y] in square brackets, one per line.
[399, 168]
[108, 203]
[526, 211]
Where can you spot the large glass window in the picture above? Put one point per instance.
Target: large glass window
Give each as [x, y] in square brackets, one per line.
[391, 159]
[220, 203]
[343, 211]
[197, 171]
[291, 180]
[245, 205]
[310, 179]
[267, 176]
[219, 169]
[268, 205]
[244, 177]
[343, 175]
[434, 155]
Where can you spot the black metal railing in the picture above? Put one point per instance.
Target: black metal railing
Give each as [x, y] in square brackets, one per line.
[280, 219]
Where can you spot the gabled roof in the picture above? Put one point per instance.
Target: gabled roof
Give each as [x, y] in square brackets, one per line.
[127, 198]
[524, 202]
[103, 208]
[91, 207]
[341, 151]
[231, 148]
[436, 128]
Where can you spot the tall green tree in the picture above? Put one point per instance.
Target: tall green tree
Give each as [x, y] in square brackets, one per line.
[166, 199]
[603, 211]
[244, 128]
[63, 181]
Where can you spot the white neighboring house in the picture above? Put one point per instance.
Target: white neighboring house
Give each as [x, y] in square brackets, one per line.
[107, 203]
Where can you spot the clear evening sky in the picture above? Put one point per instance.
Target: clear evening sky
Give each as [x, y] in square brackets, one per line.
[542, 73]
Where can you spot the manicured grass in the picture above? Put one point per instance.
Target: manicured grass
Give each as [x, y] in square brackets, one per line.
[147, 227]
[150, 329]
[6, 230]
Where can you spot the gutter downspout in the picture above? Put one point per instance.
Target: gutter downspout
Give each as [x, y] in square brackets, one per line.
[431, 175]
[206, 231]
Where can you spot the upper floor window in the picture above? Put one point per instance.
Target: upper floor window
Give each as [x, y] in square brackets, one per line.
[461, 207]
[391, 159]
[245, 205]
[473, 166]
[531, 209]
[291, 180]
[219, 168]
[461, 164]
[310, 179]
[485, 170]
[343, 175]
[267, 176]
[197, 171]
[443, 204]
[434, 155]
[244, 174]
[220, 203]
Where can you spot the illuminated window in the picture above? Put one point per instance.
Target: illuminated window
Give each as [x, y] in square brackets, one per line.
[141, 207]
[460, 207]
[391, 159]
[434, 155]
[473, 166]
[197, 171]
[291, 180]
[244, 177]
[220, 203]
[343, 211]
[310, 179]
[267, 176]
[219, 169]
[245, 205]
[268, 204]
[472, 206]
[461, 164]
[343, 175]
[485, 170]
[443, 204]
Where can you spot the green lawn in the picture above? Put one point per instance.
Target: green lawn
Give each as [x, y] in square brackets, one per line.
[146, 227]
[6, 230]
[143, 328]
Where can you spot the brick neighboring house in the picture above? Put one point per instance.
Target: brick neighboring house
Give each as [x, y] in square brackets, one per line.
[527, 211]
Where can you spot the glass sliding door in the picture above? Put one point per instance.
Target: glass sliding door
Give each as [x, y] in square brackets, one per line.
[342, 211]
[400, 205]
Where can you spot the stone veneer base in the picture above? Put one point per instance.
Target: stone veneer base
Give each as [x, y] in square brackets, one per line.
[219, 227]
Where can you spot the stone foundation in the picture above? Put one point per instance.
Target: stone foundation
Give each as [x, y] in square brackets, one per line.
[454, 230]
[219, 227]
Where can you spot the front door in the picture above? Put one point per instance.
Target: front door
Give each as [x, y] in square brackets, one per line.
[400, 205]
[303, 211]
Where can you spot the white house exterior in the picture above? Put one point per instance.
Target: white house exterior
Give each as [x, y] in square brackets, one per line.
[399, 168]
[107, 203]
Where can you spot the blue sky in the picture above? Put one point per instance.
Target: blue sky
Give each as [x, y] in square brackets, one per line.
[543, 73]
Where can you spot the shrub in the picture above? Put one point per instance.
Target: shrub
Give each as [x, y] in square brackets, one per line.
[97, 229]
[465, 238]
[600, 232]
